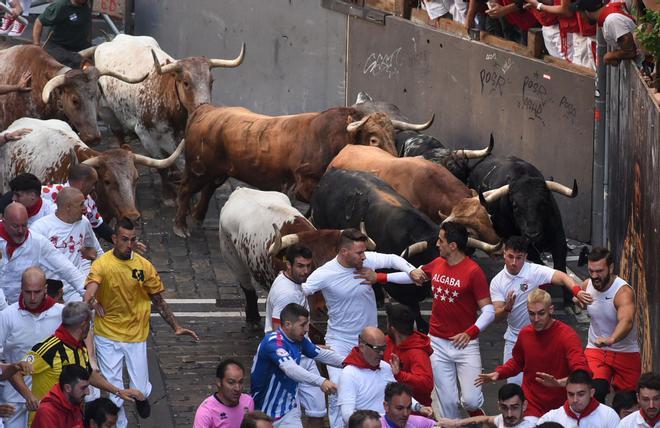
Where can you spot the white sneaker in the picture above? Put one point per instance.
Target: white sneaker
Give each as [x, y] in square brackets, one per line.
[6, 25]
[17, 29]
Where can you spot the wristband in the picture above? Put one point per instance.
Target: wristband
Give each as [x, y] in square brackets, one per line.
[473, 332]
[576, 290]
[538, 6]
[381, 277]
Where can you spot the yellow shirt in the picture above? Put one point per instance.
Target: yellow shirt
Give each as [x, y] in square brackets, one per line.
[125, 287]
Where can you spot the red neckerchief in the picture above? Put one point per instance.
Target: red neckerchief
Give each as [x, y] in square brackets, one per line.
[64, 335]
[651, 422]
[34, 209]
[46, 304]
[11, 244]
[356, 359]
[617, 7]
[591, 407]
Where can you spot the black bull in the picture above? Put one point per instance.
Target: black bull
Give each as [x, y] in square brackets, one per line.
[345, 198]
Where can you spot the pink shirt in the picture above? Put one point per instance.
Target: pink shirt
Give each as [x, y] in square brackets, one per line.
[213, 414]
[414, 421]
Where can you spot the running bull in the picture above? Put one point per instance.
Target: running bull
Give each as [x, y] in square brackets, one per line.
[282, 153]
[52, 147]
[344, 199]
[58, 92]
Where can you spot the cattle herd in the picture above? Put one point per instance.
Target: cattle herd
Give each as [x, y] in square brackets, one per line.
[365, 165]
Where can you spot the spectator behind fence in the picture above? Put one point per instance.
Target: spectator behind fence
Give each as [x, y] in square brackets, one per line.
[625, 403]
[648, 396]
[62, 406]
[101, 413]
[227, 407]
[398, 406]
[364, 419]
[511, 402]
[581, 407]
[546, 352]
[257, 419]
[408, 353]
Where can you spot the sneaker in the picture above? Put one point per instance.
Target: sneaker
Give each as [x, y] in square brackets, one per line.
[143, 408]
[6, 25]
[17, 29]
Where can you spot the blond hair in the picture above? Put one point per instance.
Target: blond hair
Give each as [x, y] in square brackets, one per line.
[539, 296]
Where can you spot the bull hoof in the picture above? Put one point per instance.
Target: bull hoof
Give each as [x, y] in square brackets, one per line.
[181, 232]
[169, 202]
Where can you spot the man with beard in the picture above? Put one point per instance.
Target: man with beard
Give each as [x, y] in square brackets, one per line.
[612, 350]
[398, 409]
[511, 401]
[648, 396]
[581, 408]
[20, 249]
[227, 407]
[62, 406]
[287, 288]
[546, 352]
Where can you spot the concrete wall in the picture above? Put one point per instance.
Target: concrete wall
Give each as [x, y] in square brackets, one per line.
[295, 49]
[536, 111]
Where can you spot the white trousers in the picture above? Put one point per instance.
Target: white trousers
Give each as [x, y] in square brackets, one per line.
[111, 356]
[334, 412]
[508, 353]
[311, 398]
[20, 417]
[584, 54]
[290, 420]
[552, 40]
[451, 364]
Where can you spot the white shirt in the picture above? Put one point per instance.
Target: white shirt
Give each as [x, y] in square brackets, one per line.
[603, 315]
[50, 193]
[603, 417]
[530, 277]
[282, 292]
[363, 389]
[635, 420]
[526, 422]
[20, 330]
[47, 208]
[351, 305]
[36, 251]
[69, 238]
[615, 26]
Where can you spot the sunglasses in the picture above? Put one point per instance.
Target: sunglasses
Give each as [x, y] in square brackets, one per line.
[377, 348]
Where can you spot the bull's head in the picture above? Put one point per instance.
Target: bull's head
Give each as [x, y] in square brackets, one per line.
[530, 202]
[473, 215]
[310, 238]
[193, 78]
[118, 179]
[376, 129]
[76, 93]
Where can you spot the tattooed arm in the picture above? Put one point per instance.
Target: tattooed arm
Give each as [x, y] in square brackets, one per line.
[164, 310]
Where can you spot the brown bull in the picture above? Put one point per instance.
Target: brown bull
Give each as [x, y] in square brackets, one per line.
[283, 153]
[58, 92]
[428, 187]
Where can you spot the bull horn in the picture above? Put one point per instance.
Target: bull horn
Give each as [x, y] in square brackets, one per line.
[415, 248]
[371, 245]
[473, 154]
[51, 85]
[495, 194]
[483, 246]
[121, 77]
[88, 53]
[405, 126]
[167, 68]
[563, 190]
[276, 246]
[283, 243]
[160, 163]
[94, 161]
[354, 126]
[228, 62]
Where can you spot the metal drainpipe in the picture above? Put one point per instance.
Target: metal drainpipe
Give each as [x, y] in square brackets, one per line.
[599, 178]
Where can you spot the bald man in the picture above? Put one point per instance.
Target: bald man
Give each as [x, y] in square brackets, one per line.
[20, 249]
[22, 325]
[365, 375]
[71, 234]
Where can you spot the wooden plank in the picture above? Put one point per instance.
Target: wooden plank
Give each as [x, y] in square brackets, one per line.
[115, 8]
[535, 42]
[569, 66]
[384, 5]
